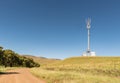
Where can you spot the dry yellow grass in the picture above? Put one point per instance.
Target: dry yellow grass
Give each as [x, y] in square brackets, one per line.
[81, 70]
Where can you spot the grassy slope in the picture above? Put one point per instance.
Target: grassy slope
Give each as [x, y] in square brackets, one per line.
[81, 70]
[42, 60]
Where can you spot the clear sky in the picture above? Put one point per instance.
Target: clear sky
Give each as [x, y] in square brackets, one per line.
[57, 29]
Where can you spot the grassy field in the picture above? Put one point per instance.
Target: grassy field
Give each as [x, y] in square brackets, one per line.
[81, 70]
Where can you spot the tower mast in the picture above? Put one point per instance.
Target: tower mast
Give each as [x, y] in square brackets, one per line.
[88, 52]
[88, 28]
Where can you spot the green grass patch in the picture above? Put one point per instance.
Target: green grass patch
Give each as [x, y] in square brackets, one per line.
[3, 69]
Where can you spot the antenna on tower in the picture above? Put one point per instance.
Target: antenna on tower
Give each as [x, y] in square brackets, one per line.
[88, 22]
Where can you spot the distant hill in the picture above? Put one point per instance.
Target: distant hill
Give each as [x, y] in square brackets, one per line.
[87, 60]
[42, 60]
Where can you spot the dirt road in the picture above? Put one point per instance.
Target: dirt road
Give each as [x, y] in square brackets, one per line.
[19, 76]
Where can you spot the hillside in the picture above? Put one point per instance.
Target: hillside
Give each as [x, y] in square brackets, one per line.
[100, 64]
[42, 60]
[81, 70]
[88, 60]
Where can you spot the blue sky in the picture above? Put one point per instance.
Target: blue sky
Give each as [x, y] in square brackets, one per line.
[57, 29]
